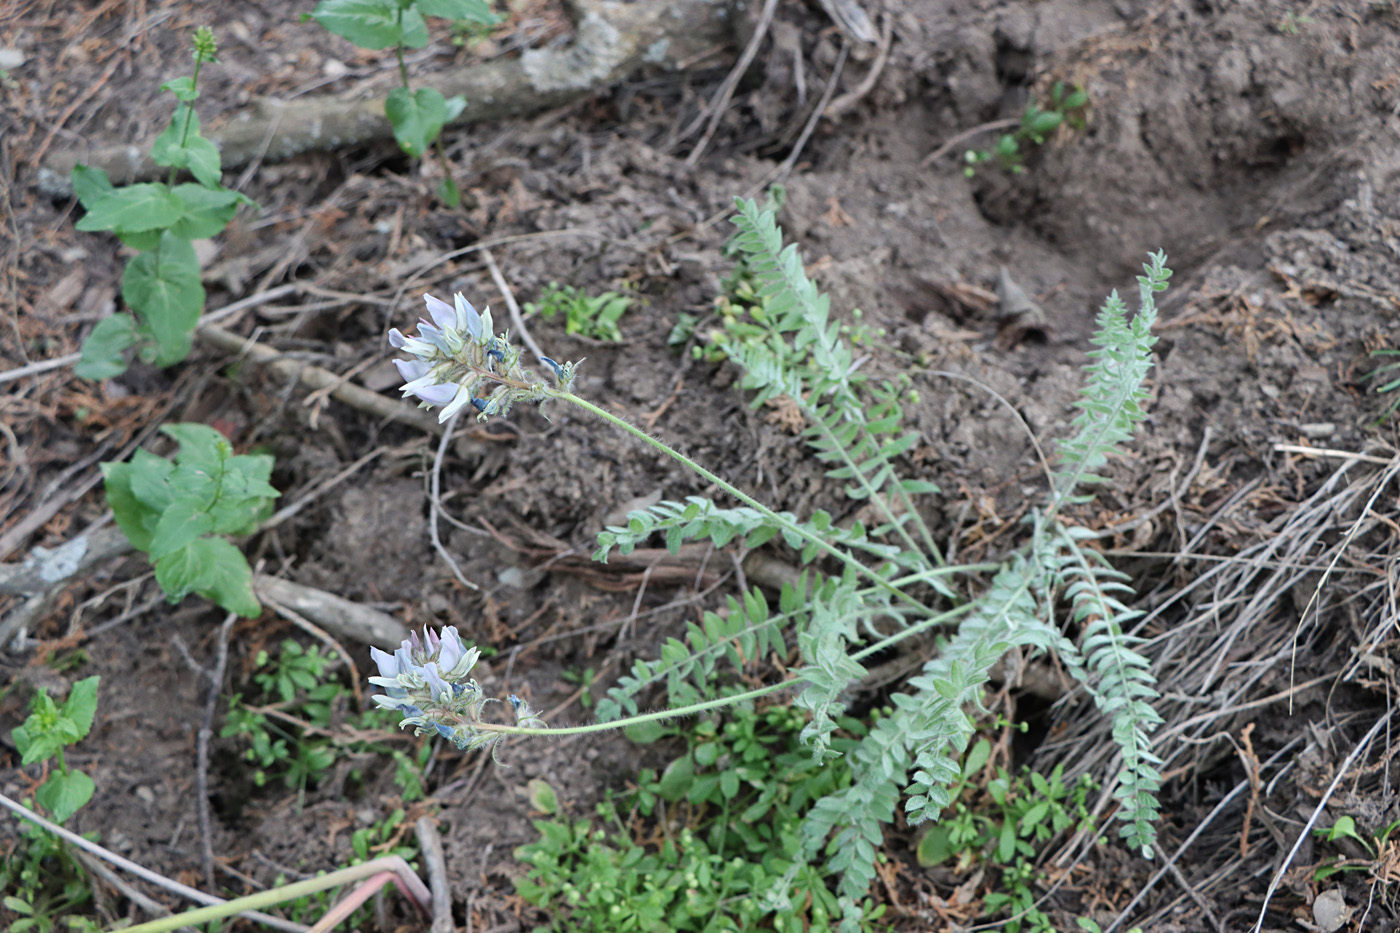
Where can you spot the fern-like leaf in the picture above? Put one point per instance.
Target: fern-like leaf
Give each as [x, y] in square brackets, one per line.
[1110, 405]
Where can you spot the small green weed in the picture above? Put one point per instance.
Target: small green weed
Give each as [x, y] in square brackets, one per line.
[738, 795]
[588, 317]
[182, 513]
[43, 883]
[1006, 828]
[1036, 126]
[1390, 372]
[1345, 828]
[41, 879]
[295, 683]
[1291, 24]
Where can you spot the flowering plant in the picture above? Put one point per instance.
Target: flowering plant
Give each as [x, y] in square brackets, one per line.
[458, 361]
[426, 680]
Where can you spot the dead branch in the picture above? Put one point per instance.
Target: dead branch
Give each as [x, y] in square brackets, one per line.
[612, 41]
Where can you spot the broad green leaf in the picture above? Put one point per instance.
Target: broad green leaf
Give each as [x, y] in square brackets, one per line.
[197, 154]
[183, 522]
[644, 733]
[129, 511]
[200, 444]
[167, 295]
[372, 24]
[34, 742]
[417, 117]
[207, 211]
[677, 779]
[89, 184]
[105, 348]
[542, 796]
[455, 105]
[146, 239]
[476, 11]
[934, 847]
[213, 568]
[182, 88]
[134, 208]
[150, 481]
[63, 794]
[81, 705]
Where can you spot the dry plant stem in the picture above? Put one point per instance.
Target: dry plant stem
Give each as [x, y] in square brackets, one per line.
[613, 41]
[142, 872]
[516, 317]
[818, 113]
[324, 638]
[435, 863]
[720, 102]
[1186, 843]
[1329, 452]
[1381, 723]
[342, 617]
[43, 366]
[1390, 472]
[321, 488]
[848, 100]
[317, 378]
[965, 135]
[381, 869]
[435, 506]
[206, 732]
[149, 905]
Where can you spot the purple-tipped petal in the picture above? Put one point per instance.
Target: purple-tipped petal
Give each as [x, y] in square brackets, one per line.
[442, 312]
[437, 395]
[396, 338]
[412, 369]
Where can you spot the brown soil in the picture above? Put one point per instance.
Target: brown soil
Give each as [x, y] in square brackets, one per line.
[1264, 161]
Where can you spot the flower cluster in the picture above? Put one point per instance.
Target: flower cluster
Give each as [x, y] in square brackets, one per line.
[458, 361]
[426, 680]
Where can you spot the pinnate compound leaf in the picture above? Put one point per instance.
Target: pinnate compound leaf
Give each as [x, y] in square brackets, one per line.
[148, 206]
[417, 117]
[213, 568]
[372, 24]
[63, 794]
[104, 350]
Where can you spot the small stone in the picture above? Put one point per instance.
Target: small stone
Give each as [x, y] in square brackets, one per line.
[145, 794]
[11, 59]
[1330, 910]
[334, 68]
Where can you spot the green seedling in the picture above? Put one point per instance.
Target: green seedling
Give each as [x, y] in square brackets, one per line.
[1036, 126]
[181, 514]
[594, 317]
[161, 285]
[417, 116]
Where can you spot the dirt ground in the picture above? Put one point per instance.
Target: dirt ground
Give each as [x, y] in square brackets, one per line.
[1255, 142]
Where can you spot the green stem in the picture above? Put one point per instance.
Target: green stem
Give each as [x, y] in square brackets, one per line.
[403, 67]
[791, 526]
[694, 708]
[185, 130]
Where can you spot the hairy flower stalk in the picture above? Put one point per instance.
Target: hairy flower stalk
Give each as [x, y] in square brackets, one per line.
[458, 361]
[426, 680]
